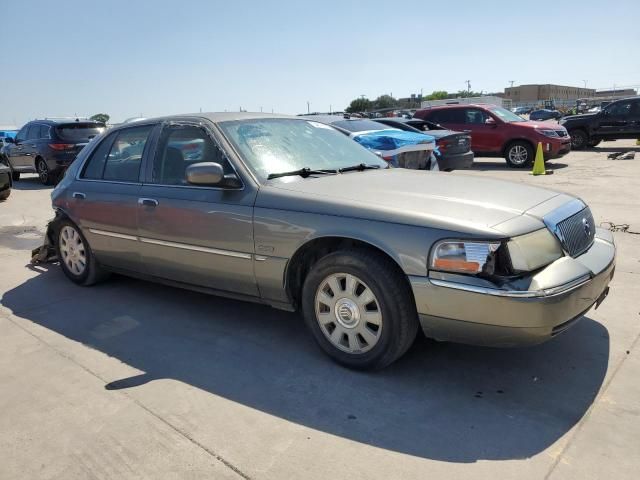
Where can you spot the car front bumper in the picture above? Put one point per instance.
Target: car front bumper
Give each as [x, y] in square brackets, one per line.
[558, 296]
[556, 149]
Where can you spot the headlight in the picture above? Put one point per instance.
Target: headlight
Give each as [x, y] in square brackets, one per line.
[548, 133]
[464, 257]
[533, 250]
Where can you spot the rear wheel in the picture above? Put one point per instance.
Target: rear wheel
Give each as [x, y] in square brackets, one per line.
[519, 154]
[46, 177]
[357, 318]
[5, 194]
[579, 139]
[15, 176]
[75, 255]
[593, 143]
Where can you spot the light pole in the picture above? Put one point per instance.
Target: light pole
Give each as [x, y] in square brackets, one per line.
[585, 83]
[308, 108]
[511, 82]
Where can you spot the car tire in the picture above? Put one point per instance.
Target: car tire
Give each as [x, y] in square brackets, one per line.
[5, 194]
[46, 176]
[593, 143]
[75, 255]
[356, 334]
[15, 176]
[579, 139]
[519, 154]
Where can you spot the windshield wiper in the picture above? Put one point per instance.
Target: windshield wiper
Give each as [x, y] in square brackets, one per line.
[303, 172]
[359, 168]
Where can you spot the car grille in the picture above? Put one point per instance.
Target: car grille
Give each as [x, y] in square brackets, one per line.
[577, 232]
[562, 133]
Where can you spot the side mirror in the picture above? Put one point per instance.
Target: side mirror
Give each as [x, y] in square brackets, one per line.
[205, 173]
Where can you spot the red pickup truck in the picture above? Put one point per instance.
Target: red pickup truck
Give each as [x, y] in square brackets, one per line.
[497, 132]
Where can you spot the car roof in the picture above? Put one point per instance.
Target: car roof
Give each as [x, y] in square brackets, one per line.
[460, 105]
[61, 121]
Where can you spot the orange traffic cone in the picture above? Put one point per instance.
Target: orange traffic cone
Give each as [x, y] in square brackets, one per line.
[538, 164]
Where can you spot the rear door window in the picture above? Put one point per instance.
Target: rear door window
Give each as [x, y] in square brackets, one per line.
[34, 132]
[78, 132]
[44, 131]
[450, 115]
[119, 156]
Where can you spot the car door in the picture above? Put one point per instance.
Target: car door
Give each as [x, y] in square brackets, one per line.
[29, 147]
[614, 121]
[197, 235]
[104, 197]
[634, 119]
[15, 152]
[484, 130]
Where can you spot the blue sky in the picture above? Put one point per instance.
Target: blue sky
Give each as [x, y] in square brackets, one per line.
[127, 58]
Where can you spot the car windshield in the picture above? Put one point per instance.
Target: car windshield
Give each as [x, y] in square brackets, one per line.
[360, 125]
[79, 132]
[506, 116]
[270, 146]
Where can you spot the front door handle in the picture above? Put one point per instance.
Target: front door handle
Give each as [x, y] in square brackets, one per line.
[148, 202]
[79, 195]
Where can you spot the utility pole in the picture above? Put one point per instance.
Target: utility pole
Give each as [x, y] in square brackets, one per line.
[330, 109]
[308, 108]
[468, 82]
[260, 109]
[511, 82]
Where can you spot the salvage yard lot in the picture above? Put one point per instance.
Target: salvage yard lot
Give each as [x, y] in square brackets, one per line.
[130, 379]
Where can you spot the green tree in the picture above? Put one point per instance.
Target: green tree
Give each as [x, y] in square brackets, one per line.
[437, 95]
[385, 101]
[465, 94]
[359, 105]
[100, 117]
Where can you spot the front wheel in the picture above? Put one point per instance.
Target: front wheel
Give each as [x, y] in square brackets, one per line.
[579, 139]
[75, 255]
[593, 143]
[519, 155]
[361, 320]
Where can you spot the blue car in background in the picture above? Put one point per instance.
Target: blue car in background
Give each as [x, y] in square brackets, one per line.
[403, 149]
[544, 114]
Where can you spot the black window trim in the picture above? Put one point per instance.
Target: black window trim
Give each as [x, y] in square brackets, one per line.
[115, 133]
[147, 176]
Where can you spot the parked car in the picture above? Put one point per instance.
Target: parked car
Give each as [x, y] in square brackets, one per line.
[522, 110]
[544, 114]
[47, 147]
[400, 148]
[454, 148]
[289, 212]
[5, 181]
[496, 131]
[617, 120]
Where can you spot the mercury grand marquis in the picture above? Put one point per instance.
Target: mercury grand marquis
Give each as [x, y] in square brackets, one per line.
[291, 213]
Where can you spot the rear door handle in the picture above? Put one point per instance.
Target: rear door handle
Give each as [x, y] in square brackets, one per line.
[79, 195]
[148, 202]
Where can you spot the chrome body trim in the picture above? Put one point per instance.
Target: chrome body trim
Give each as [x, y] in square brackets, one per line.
[567, 287]
[196, 248]
[113, 234]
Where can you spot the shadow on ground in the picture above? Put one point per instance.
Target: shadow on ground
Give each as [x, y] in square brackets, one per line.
[485, 166]
[30, 182]
[441, 401]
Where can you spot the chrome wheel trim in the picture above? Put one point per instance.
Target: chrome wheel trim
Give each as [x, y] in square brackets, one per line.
[43, 171]
[578, 139]
[518, 155]
[72, 250]
[348, 313]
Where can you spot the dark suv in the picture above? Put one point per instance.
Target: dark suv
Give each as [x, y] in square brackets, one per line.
[619, 119]
[47, 147]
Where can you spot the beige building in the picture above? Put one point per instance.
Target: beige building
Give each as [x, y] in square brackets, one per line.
[538, 93]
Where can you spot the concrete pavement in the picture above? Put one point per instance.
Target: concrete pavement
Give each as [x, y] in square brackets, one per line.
[129, 379]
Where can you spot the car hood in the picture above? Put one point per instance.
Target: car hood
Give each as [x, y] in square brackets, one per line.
[453, 202]
[584, 116]
[392, 140]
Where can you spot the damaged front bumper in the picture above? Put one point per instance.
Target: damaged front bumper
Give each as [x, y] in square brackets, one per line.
[47, 252]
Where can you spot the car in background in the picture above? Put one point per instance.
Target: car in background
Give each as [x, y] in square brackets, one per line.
[498, 132]
[544, 114]
[617, 120]
[6, 182]
[454, 148]
[288, 212]
[400, 148]
[522, 110]
[47, 147]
